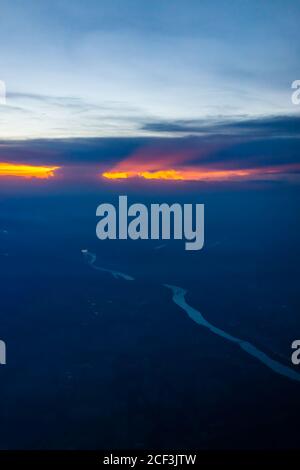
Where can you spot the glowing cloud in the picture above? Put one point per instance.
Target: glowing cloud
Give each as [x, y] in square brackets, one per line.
[195, 175]
[167, 163]
[162, 175]
[27, 171]
[204, 174]
[117, 175]
[183, 174]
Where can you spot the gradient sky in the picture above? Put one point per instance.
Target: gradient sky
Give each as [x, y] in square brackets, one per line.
[143, 68]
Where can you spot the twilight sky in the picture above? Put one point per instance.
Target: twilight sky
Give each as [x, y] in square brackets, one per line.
[138, 68]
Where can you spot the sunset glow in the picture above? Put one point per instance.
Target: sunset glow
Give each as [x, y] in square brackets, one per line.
[203, 174]
[162, 175]
[27, 171]
[118, 175]
[183, 174]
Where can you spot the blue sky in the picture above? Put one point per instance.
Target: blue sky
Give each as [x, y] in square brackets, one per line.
[127, 67]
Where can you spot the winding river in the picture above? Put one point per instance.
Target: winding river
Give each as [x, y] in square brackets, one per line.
[178, 297]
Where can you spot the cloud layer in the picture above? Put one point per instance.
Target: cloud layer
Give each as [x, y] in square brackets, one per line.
[249, 148]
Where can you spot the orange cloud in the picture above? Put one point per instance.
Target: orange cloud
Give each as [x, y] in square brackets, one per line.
[203, 174]
[182, 174]
[117, 175]
[164, 162]
[27, 171]
[194, 175]
[162, 175]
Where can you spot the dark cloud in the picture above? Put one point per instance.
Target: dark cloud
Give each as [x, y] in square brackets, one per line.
[71, 151]
[246, 143]
[262, 126]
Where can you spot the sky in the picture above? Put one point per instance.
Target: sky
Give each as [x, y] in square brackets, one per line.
[134, 68]
[167, 89]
